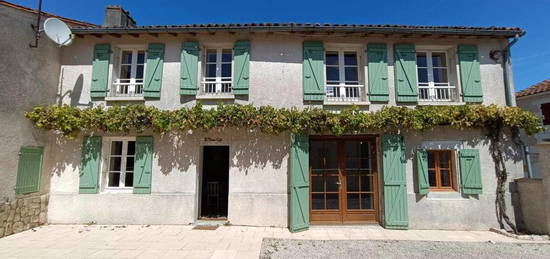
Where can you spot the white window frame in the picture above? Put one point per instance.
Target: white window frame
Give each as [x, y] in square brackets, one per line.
[106, 150]
[431, 85]
[131, 87]
[343, 92]
[217, 84]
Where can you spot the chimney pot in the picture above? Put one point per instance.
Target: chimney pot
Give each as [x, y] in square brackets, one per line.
[116, 16]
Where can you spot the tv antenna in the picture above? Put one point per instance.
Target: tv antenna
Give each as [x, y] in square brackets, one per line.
[54, 28]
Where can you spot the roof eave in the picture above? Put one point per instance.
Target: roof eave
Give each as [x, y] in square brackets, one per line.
[167, 29]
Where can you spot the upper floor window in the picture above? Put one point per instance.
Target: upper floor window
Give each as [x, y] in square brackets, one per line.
[130, 73]
[433, 76]
[120, 173]
[218, 70]
[342, 76]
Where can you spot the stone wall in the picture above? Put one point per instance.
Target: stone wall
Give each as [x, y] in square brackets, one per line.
[533, 212]
[23, 214]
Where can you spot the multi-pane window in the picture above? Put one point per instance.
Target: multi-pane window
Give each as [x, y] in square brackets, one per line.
[440, 170]
[433, 79]
[218, 71]
[342, 76]
[121, 164]
[131, 70]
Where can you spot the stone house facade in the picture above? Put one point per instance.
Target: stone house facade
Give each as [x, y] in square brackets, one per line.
[251, 178]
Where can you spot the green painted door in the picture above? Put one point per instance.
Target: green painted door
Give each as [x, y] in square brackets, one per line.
[299, 182]
[395, 184]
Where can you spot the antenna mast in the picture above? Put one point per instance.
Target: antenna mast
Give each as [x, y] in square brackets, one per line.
[36, 27]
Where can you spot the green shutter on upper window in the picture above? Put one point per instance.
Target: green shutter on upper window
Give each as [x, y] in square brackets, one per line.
[143, 165]
[189, 68]
[313, 69]
[470, 171]
[299, 182]
[470, 74]
[241, 60]
[89, 168]
[100, 70]
[153, 70]
[395, 183]
[406, 86]
[422, 171]
[29, 169]
[378, 72]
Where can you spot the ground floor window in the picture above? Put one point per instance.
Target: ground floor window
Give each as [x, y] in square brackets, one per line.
[121, 164]
[441, 173]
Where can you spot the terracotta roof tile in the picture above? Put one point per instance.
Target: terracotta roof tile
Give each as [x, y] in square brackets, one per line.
[71, 22]
[541, 87]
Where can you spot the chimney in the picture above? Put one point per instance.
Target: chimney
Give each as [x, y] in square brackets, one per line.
[116, 16]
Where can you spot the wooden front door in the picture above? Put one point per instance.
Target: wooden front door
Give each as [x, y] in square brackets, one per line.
[343, 179]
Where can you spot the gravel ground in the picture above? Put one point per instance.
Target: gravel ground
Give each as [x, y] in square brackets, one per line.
[286, 248]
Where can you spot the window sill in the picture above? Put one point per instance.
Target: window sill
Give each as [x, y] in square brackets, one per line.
[435, 103]
[445, 195]
[358, 103]
[215, 97]
[124, 98]
[118, 190]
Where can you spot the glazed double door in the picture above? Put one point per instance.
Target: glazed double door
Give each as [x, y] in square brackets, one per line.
[343, 180]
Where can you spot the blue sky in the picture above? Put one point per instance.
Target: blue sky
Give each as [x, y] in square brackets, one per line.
[531, 55]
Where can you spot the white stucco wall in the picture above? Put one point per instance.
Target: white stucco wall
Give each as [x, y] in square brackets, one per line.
[259, 163]
[275, 67]
[257, 178]
[453, 210]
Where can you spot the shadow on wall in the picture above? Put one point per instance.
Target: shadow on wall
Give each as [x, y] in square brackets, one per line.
[259, 152]
[74, 94]
[67, 152]
[250, 150]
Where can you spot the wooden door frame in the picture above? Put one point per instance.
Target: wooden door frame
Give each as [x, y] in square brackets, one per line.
[377, 199]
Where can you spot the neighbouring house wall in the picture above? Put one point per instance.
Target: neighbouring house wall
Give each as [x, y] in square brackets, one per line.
[453, 210]
[532, 196]
[275, 67]
[532, 103]
[28, 77]
[257, 182]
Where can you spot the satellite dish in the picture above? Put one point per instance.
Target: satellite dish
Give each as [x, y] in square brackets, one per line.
[58, 31]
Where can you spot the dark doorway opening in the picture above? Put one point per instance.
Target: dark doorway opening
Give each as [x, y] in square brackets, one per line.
[215, 182]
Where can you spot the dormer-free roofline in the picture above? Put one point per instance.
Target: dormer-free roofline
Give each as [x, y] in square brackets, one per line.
[312, 28]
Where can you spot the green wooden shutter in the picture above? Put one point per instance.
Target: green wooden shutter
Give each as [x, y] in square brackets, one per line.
[299, 182]
[470, 75]
[100, 70]
[189, 68]
[29, 170]
[313, 69]
[242, 64]
[470, 171]
[406, 87]
[143, 165]
[89, 169]
[395, 183]
[378, 72]
[153, 70]
[422, 171]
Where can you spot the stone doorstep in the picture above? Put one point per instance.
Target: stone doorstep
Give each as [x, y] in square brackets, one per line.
[531, 237]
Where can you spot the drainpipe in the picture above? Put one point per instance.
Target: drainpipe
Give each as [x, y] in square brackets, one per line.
[506, 64]
[510, 101]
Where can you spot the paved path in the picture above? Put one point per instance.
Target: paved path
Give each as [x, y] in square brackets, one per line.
[77, 241]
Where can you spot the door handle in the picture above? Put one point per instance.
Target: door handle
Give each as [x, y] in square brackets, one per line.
[338, 183]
